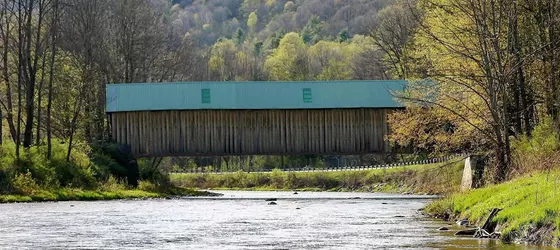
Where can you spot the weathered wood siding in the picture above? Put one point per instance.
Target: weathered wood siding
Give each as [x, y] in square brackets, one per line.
[251, 132]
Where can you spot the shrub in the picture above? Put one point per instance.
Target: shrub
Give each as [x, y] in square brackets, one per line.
[147, 186]
[113, 184]
[79, 171]
[5, 185]
[277, 178]
[25, 184]
[114, 159]
[105, 166]
[538, 152]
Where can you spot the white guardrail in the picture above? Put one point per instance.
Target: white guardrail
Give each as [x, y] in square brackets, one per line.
[333, 169]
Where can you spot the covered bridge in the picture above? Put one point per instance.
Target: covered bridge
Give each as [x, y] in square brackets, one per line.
[252, 118]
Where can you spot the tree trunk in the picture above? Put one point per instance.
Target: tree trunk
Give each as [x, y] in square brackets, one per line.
[19, 76]
[5, 73]
[555, 109]
[76, 113]
[51, 78]
[31, 72]
[39, 99]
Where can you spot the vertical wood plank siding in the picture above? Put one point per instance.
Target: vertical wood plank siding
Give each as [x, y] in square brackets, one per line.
[252, 132]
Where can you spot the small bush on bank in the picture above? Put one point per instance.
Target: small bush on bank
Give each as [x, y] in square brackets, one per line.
[147, 186]
[538, 152]
[25, 184]
[113, 184]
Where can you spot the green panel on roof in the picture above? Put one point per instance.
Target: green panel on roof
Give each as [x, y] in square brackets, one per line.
[307, 97]
[252, 95]
[205, 96]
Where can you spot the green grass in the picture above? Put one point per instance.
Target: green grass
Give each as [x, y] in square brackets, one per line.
[528, 202]
[430, 179]
[92, 195]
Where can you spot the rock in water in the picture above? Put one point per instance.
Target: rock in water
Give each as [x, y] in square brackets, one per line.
[462, 222]
[443, 229]
[468, 232]
[272, 203]
[271, 199]
[295, 192]
[298, 208]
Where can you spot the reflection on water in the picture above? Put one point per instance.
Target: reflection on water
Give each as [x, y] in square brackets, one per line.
[238, 220]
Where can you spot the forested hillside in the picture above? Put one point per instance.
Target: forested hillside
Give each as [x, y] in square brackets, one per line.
[238, 38]
[207, 21]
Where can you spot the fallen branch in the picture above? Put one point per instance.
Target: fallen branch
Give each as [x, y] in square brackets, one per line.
[487, 230]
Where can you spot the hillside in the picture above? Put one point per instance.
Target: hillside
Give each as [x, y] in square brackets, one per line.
[207, 21]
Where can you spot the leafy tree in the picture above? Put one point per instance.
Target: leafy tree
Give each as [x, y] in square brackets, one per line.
[252, 22]
[289, 6]
[274, 40]
[222, 59]
[335, 70]
[249, 6]
[432, 130]
[330, 60]
[270, 3]
[288, 62]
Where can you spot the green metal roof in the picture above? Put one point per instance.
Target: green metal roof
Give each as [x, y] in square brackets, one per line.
[252, 95]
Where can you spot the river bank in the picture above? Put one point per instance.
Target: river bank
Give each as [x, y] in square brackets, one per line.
[531, 208]
[438, 178]
[68, 194]
[90, 173]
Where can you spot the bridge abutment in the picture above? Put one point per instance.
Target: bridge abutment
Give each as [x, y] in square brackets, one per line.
[473, 172]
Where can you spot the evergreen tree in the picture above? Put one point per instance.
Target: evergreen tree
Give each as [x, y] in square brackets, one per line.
[239, 36]
[311, 32]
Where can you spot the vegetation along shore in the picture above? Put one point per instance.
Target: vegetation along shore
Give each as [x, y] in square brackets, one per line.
[420, 179]
[95, 175]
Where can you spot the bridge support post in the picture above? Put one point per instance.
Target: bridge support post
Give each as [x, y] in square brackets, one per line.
[122, 154]
[473, 172]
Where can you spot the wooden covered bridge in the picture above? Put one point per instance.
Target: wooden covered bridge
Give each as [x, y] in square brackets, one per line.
[252, 118]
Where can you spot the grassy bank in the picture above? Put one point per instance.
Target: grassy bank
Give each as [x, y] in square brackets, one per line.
[426, 179]
[90, 173]
[91, 195]
[112, 189]
[531, 208]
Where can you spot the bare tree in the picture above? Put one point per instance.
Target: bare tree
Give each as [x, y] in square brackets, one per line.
[33, 40]
[482, 62]
[545, 17]
[394, 34]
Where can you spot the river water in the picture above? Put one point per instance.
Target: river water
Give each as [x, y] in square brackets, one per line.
[237, 220]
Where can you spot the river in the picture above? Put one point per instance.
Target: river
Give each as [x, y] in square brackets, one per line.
[237, 220]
